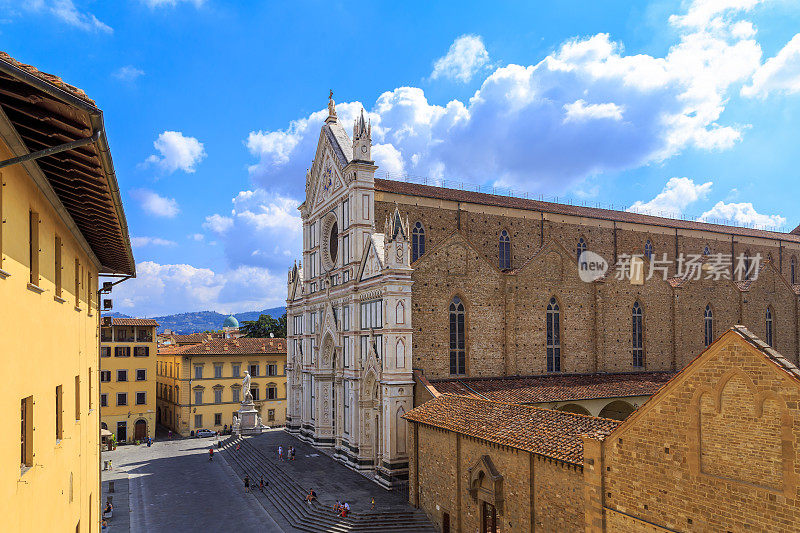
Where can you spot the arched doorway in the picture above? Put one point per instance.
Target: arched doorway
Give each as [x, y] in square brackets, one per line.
[140, 429]
[617, 410]
[574, 408]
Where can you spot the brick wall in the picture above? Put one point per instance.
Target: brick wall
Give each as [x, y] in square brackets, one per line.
[686, 463]
[506, 310]
[547, 492]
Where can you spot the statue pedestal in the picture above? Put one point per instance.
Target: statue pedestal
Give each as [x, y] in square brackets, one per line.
[249, 422]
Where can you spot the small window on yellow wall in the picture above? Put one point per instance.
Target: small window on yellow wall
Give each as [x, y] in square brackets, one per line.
[59, 412]
[33, 242]
[77, 397]
[26, 433]
[77, 283]
[89, 292]
[57, 273]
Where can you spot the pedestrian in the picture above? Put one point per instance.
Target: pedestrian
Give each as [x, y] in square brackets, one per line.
[337, 507]
[170, 434]
[280, 453]
[291, 453]
[246, 483]
[345, 510]
[211, 454]
[238, 446]
[372, 503]
[110, 466]
[262, 484]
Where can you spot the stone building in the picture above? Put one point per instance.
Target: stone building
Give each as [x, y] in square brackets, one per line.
[715, 449]
[62, 225]
[128, 377]
[199, 386]
[457, 285]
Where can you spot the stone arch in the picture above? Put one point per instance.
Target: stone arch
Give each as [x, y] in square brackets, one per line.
[400, 312]
[400, 354]
[617, 410]
[486, 483]
[140, 429]
[574, 408]
[401, 431]
[327, 351]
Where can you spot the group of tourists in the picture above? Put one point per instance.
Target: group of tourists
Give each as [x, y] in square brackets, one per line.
[341, 509]
[289, 453]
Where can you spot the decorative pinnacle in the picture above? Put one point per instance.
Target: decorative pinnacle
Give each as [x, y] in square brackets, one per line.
[331, 108]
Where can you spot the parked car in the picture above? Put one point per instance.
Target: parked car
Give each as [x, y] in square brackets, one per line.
[205, 433]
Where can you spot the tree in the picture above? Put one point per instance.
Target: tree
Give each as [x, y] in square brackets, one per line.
[262, 327]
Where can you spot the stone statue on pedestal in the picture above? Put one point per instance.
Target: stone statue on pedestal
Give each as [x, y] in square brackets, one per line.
[248, 395]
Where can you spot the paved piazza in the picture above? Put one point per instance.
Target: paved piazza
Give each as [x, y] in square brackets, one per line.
[173, 487]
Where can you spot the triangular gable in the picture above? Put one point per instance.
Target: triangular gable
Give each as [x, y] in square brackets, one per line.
[372, 260]
[455, 236]
[334, 149]
[329, 323]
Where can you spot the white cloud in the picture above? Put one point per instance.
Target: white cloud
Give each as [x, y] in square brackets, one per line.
[128, 73]
[163, 289]
[677, 194]
[466, 56]
[178, 152]
[263, 230]
[218, 223]
[155, 204]
[778, 74]
[197, 237]
[585, 109]
[138, 242]
[743, 214]
[172, 3]
[579, 110]
[65, 11]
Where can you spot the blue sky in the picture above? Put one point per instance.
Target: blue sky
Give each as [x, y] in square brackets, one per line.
[213, 111]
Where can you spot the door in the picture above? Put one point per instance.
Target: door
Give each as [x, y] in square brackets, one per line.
[122, 431]
[446, 523]
[140, 430]
[489, 522]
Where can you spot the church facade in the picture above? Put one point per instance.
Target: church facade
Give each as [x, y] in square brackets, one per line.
[402, 279]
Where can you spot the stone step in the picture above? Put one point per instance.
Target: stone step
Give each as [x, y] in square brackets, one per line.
[286, 496]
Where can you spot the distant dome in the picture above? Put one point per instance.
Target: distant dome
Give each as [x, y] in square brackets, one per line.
[230, 322]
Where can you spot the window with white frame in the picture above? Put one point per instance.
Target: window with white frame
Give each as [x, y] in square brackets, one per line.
[345, 214]
[122, 375]
[141, 398]
[346, 351]
[312, 323]
[105, 376]
[311, 402]
[141, 374]
[122, 398]
[345, 250]
[372, 314]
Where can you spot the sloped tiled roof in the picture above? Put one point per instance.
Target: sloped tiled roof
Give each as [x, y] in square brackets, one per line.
[241, 346]
[557, 387]
[191, 338]
[458, 195]
[545, 432]
[114, 321]
[49, 78]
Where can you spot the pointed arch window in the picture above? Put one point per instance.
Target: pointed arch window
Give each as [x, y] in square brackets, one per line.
[793, 270]
[648, 249]
[637, 335]
[505, 250]
[458, 354]
[769, 320]
[417, 241]
[581, 247]
[553, 336]
[708, 325]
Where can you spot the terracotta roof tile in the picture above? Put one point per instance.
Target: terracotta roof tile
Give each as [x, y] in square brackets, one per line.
[241, 346]
[114, 321]
[49, 78]
[556, 387]
[457, 195]
[545, 432]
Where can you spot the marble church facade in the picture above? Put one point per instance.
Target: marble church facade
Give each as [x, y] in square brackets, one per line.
[349, 314]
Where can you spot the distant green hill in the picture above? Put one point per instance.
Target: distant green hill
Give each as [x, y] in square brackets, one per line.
[202, 320]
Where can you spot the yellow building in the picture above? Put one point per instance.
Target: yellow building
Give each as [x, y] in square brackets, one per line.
[200, 385]
[128, 353]
[62, 226]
